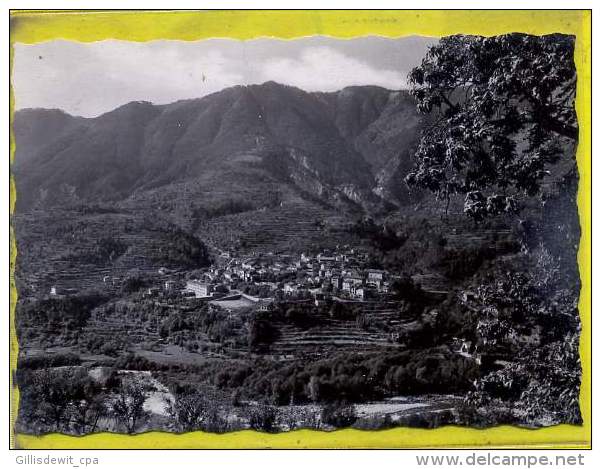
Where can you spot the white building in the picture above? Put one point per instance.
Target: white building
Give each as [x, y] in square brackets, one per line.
[200, 289]
[290, 289]
[60, 291]
[375, 276]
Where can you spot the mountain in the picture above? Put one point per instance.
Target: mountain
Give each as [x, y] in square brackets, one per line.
[258, 145]
[384, 127]
[35, 128]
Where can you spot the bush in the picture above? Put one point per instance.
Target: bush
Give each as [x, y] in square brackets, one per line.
[49, 361]
[300, 317]
[261, 331]
[458, 264]
[181, 249]
[69, 313]
[263, 418]
[339, 415]
[133, 284]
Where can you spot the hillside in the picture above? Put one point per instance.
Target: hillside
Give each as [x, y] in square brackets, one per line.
[37, 128]
[263, 144]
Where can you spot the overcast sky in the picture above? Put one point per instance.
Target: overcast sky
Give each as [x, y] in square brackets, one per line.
[88, 79]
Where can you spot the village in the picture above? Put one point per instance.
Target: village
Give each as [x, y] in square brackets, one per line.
[341, 274]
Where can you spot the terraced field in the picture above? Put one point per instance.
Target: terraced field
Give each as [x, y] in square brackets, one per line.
[459, 238]
[110, 328]
[50, 247]
[288, 228]
[335, 334]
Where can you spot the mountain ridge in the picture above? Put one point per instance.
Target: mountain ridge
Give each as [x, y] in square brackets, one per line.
[349, 147]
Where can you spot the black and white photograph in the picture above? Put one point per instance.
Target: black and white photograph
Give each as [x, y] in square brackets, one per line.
[315, 233]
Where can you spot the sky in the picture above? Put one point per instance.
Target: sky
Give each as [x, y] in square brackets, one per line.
[88, 79]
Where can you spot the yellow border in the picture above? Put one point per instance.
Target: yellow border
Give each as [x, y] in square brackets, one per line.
[31, 27]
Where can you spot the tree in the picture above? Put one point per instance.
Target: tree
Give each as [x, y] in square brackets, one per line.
[87, 412]
[263, 418]
[128, 407]
[412, 296]
[502, 112]
[313, 388]
[261, 331]
[535, 315]
[189, 410]
[53, 392]
[133, 283]
[545, 387]
[339, 414]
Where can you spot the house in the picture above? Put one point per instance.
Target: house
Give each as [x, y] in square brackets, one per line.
[60, 291]
[321, 298]
[249, 264]
[265, 305]
[354, 279]
[461, 346]
[209, 276]
[375, 275]
[326, 257]
[152, 291]
[170, 285]
[200, 289]
[364, 293]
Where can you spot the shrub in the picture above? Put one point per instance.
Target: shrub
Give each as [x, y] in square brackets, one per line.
[133, 284]
[189, 410]
[263, 418]
[339, 415]
[181, 249]
[49, 361]
[128, 406]
[261, 331]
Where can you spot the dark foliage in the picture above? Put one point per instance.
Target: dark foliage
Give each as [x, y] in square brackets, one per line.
[134, 283]
[350, 377]
[338, 415]
[48, 361]
[490, 94]
[63, 399]
[263, 418]
[458, 264]
[56, 314]
[261, 331]
[384, 237]
[178, 248]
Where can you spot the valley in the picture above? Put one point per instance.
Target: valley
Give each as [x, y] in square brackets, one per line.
[254, 259]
